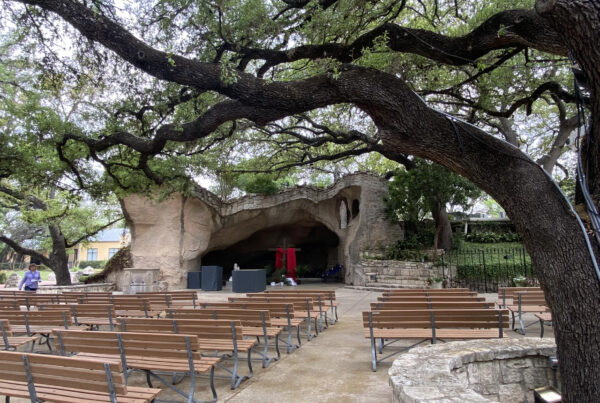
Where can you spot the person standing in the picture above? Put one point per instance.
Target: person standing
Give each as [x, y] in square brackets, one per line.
[31, 278]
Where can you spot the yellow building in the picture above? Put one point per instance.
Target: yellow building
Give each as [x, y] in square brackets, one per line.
[102, 246]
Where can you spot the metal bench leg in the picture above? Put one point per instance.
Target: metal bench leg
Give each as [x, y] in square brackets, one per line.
[381, 344]
[513, 319]
[212, 384]
[265, 351]
[541, 328]
[373, 355]
[308, 329]
[521, 323]
[251, 373]
[277, 347]
[234, 376]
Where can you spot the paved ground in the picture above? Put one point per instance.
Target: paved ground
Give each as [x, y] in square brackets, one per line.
[333, 367]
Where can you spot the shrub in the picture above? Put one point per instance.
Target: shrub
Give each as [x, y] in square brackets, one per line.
[303, 270]
[493, 271]
[492, 237]
[276, 276]
[2, 277]
[95, 264]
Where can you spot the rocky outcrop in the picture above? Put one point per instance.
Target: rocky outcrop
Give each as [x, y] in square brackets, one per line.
[175, 234]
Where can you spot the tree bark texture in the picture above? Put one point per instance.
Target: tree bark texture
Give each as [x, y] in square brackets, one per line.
[550, 229]
[59, 260]
[443, 229]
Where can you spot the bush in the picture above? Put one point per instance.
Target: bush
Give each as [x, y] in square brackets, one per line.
[303, 270]
[94, 264]
[2, 277]
[276, 276]
[493, 271]
[492, 237]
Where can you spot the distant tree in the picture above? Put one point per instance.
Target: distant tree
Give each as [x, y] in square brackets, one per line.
[428, 188]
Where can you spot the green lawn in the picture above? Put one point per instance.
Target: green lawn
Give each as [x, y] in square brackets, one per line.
[492, 260]
[490, 246]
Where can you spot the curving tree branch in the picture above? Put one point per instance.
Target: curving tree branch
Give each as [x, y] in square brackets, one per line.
[25, 251]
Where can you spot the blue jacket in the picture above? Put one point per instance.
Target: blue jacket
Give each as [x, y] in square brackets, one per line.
[30, 279]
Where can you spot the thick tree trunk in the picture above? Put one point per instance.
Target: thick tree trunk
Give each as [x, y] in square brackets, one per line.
[58, 260]
[550, 230]
[443, 229]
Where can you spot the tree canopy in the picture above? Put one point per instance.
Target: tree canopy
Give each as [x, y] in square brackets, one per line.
[160, 90]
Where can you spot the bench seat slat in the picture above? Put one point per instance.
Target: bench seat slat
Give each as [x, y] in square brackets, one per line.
[69, 395]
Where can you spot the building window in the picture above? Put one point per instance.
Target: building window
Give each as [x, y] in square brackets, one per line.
[92, 254]
[112, 252]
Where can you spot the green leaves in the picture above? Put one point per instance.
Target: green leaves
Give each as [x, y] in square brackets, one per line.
[414, 193]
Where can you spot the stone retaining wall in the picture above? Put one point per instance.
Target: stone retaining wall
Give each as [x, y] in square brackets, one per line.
[57, 289]
[498, 370]
[405, 274]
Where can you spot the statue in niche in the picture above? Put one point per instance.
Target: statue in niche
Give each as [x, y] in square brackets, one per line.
[343, 215]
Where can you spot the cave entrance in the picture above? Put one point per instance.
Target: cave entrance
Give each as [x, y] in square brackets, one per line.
[318, 244]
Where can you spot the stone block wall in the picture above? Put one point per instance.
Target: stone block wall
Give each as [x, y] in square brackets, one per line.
[401, 273]
[496, 370]
[58, 289]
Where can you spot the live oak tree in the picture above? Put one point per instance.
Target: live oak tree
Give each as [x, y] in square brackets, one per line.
[183, 73]
[45, 209]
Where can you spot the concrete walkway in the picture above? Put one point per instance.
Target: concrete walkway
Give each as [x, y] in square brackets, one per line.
[333, 367]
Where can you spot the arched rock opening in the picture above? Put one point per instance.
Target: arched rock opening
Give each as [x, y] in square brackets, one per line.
[318, 244]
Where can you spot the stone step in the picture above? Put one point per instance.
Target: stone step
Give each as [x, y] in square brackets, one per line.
[394, 285]
[388, 277]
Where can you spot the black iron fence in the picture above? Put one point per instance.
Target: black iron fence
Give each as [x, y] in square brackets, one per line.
[484, 270]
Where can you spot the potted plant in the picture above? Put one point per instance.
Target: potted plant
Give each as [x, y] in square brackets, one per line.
[520, 281]
[435, 282]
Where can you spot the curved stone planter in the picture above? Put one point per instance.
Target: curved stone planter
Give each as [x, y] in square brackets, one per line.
[498, 370]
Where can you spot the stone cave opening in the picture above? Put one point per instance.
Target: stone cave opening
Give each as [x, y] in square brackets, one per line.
[318, 249]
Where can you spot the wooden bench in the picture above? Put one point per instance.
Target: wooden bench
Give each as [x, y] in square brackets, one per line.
[508, 295]
[430, 324]
[544, 318]
[93, 315]
[11, 342]
[304, 308]
[432, 298]
[255, 323]
[326, 297]
[147, 352]
[430, 291]
[12, 305]
[30, 300]
[403, 306]
[38, 322]
[126, 305]
[282, 315]
[527, 302]
[218, 336]
[49, 378]
[174, 299]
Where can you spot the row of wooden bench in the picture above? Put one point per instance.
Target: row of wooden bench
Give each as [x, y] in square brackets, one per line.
[159, 301]
[179, 325]
[429, 315]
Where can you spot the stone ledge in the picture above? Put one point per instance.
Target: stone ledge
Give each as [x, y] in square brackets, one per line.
[58, 289]
[445, 372]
